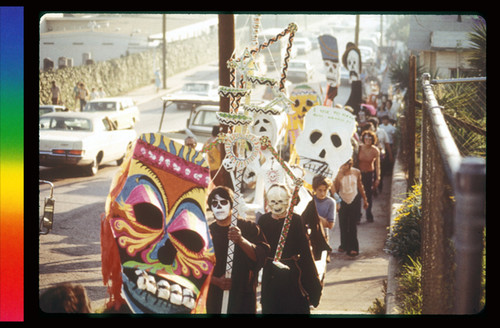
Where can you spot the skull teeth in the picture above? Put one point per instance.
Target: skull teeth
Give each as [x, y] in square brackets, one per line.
[162, 289]
[318, 169]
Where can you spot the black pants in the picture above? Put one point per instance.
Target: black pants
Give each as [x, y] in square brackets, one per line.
[348, 220]
[367, 180]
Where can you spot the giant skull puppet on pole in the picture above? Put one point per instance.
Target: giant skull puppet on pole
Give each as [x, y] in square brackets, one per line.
[325, 143]
[241, 146]
[330, 54]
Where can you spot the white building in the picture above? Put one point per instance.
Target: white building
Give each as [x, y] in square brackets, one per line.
[99, 37]
[442, 42]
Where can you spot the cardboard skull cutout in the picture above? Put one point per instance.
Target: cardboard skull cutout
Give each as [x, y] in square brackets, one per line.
[325, 143]
[156, 247]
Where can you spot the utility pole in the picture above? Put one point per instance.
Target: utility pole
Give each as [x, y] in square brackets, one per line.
[226, 49]
[356, 31]
[164, 52]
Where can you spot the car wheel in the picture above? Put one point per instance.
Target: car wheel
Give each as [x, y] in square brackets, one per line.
[93, 168]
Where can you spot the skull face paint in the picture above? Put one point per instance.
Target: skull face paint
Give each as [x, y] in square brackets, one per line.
[325, 143]
[221, 208]
[278, 200]
[156, 228]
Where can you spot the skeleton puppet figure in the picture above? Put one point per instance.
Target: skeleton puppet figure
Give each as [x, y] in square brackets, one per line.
[156, 247]
[325, 143]
[351, 59]
[330, 54]
[266, 170]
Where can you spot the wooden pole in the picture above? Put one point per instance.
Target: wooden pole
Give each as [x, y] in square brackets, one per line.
[226, 49]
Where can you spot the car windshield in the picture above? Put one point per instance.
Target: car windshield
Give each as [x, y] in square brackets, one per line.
[195, 87]
[297, 65]
[65, 124]
[100, 106]
[44, 110]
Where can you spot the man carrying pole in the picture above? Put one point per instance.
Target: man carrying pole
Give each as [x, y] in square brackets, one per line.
[250, 252]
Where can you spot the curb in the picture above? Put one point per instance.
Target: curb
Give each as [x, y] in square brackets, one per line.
[398, 188]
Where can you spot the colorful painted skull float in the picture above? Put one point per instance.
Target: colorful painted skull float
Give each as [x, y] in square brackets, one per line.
[156, 246]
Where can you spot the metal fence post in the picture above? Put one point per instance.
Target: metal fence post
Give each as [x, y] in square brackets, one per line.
[469, 224]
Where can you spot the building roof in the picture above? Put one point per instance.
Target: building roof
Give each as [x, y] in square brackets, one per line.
[432, 32]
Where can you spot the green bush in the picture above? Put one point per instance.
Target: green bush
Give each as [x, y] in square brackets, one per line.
[410, 287]
[403, 240]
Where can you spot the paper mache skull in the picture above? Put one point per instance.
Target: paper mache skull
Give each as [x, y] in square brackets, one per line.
[330, 54]
[325, 143]
[351, 59]
[157, 251]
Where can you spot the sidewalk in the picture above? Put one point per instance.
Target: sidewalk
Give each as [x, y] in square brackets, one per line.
[352, 284]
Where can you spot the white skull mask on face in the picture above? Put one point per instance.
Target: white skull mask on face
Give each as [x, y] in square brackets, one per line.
[325, 143]
[278, 199]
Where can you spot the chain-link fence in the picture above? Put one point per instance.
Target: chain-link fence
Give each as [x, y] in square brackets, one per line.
[463, 102]
[453, 194]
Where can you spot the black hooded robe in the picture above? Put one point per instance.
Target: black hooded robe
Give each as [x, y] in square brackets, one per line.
[244, 275]
[291, 290]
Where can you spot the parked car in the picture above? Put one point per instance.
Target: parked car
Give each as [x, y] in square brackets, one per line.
[81, 139]
[202, 119]
[44, 109]
[121, 110]
[199, 125]
[299, 71]
[368, 56]
[303, 45]
[193, 94]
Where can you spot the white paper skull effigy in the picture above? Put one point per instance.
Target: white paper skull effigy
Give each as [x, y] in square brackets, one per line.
[325, 143]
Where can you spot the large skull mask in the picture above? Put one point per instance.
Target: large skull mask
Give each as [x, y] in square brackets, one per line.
[155, 215]
[325, 143]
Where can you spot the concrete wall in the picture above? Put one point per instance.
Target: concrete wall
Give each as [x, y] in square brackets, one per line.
[121, 75]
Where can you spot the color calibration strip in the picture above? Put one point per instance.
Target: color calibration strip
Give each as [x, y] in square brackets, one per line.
[11, 164]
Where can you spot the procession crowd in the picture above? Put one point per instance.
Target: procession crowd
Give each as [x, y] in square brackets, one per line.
[290, 285]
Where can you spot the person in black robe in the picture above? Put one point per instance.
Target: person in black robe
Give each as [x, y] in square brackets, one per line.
[291, 285]
[250, 252]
